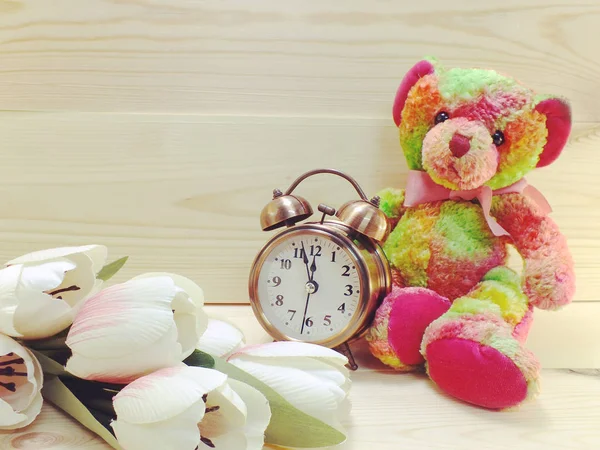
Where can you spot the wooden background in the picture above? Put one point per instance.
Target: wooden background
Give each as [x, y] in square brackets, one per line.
[160, 127]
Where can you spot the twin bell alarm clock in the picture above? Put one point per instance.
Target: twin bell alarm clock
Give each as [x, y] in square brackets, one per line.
[320, 282]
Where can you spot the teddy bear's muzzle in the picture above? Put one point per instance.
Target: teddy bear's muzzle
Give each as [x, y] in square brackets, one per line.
[460, 154]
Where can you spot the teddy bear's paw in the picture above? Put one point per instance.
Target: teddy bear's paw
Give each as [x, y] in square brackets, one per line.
[477, 360]
[397, 331]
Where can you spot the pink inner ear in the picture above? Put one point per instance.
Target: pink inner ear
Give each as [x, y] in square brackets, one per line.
[558, 122]
[419, 70]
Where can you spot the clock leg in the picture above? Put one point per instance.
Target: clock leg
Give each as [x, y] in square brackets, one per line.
[344, 349]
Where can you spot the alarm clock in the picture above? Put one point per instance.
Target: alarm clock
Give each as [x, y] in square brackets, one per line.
[320, 282]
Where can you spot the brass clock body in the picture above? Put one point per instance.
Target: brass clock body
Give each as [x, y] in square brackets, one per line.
[330, 305]
[320, 282]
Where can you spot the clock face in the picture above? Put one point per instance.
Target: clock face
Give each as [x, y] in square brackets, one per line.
[309, 287]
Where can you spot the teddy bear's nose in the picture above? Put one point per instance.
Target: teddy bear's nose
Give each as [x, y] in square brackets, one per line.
[459, 145]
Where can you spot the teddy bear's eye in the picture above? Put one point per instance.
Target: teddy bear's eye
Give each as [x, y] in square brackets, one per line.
[498, 138]
[441, 117]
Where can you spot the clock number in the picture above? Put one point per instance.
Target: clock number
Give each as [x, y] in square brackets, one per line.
[349, 290]
[315, 250]
[342, 308]
[346, 271]
[279, 301]
[309, 322]
[276, 281]
[293, 311]
[299, 253]
[286, 264]
[327, 320]
[332, 256]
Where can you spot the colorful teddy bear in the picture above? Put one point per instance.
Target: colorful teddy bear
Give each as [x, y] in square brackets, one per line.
[469, 137]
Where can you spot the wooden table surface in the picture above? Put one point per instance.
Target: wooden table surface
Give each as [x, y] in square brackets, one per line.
[392, 411]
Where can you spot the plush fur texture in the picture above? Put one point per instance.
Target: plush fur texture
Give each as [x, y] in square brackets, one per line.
[467, 129]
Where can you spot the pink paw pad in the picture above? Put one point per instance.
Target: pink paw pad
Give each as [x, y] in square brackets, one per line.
[476, 373]
[413, 310]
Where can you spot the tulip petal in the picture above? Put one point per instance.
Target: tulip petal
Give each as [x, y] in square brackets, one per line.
[259, 413]
[230, 405]
[45, 276]
[305, 391]
[56, 313]
[9, 280]
[35, 303]
[165, 352]
[189, 298]
[177, 433]
[83, 277]
[123, 319]
[186, 331]
[33, 410]
[9, 419]
[30, 386]
[294, 349]
[21, 407]
[166, 393]
[220, 339]
[231, 439]
[20, 361]
[97, 253]
[193, 290]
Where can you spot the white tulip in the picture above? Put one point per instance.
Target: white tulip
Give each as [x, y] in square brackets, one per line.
[221, 339]
[20, 385]
[312, 378]
[188, 408]
[131, 329]
[41, 291]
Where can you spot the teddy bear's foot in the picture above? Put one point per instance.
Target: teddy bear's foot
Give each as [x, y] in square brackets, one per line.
[397, 332]
[476, 359]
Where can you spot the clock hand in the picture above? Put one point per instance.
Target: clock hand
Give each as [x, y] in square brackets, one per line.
[305, 311]
[305, 259]
[313, 268]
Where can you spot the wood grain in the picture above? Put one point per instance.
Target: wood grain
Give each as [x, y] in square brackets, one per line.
[392, 410]
[564, 339]
[160, 128]
[184, 192]
[316, 57]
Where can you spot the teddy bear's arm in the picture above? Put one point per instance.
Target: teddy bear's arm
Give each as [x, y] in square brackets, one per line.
[392, 204]
[548, 275]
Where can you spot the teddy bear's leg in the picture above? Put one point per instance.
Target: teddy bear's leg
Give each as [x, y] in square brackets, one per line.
[397, 331]
[474, 351]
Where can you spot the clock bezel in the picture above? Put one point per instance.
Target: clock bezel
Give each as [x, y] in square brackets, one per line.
[374, 278]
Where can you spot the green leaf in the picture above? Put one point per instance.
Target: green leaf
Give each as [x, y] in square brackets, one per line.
[289, 427]
[109, 270]
[200, 359]
[58, 394]
[49, 366]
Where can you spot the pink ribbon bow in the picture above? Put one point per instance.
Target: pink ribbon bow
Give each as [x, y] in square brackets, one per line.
[420, 188]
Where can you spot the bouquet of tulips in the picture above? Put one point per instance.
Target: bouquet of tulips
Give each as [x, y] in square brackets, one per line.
[142, 365]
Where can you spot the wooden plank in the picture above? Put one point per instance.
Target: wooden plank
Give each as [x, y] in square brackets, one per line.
[270, 57]
[406, 411]
[391, 409]
[569, 338]
[183, 193]
[52, 430]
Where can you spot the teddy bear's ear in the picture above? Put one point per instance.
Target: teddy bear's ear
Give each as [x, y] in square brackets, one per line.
[419, 70]
[558, 122]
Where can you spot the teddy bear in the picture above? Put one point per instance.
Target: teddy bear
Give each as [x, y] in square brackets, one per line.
[457, 308]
